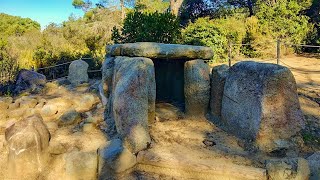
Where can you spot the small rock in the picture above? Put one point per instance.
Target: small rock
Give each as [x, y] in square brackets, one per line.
[290, 169]
[52, 126]
[81, 165]
[88, 127]
[57, 148]
[17, 113]
[69, 118]
[86, 102]
[49, 110]
[115, 158]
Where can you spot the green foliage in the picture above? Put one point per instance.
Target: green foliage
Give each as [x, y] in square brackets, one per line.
[283, 20]
[14, 25]
[151, 6]
[150, 27]
[215, 34]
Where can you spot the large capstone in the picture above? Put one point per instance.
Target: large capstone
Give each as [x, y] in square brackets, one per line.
[196, 88]
[78, 72]
[160, 51]
[218, 79]
[132, 100]
[260, 103]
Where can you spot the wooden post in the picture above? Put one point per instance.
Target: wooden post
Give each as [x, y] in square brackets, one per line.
[278, 51]
[229, 54]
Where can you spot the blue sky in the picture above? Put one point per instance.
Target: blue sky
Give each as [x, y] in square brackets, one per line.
[42, 11]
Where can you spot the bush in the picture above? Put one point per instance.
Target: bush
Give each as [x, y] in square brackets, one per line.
[215, 34]
[148, 27]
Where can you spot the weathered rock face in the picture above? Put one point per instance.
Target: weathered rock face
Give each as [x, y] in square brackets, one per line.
[78, 72]
[27, 141]
[291, 169]
[260, 102]
[196, 88]
[218, 78]
[314, 164]
[160, 51]
[133, 100]
[114, 158]
[29, 80]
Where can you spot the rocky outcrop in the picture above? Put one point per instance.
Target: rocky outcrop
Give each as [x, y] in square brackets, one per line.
[27, 141]
[29, 80]
[260, 103]
[291, 169]
[133, 100]
[160, 51]
[196, 88]
[218, 78]
[78, 72]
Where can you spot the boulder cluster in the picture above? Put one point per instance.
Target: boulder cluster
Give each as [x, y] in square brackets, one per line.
[255, 102]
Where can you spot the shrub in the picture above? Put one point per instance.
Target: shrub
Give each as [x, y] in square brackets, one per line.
[148, 27]
[215, 34]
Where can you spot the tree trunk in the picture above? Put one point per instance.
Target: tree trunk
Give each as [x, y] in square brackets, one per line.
[123, 13]
[250, 6]
[175, 6]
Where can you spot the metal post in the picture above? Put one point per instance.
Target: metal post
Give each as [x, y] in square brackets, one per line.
[229, 54]
[278, 51]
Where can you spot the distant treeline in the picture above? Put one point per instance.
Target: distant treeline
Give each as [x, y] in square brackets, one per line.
[212, 23]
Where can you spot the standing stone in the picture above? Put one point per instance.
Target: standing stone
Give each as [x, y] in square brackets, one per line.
[28, 141]
[289, 169]
[260, 103]
[107, 82]
[78, 72]
[196, 87]
[133, 100]
[218, 79]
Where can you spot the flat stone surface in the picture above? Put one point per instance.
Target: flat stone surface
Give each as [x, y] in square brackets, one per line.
[260, 103]
[160, 51]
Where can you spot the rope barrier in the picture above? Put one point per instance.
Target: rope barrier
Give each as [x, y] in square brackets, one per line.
[302, 45]
[91, 71]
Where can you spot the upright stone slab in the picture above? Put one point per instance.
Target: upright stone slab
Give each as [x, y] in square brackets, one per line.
[196, 88]
[133, 100]
[261, 103]
[78, 72]
[107, 82]
[218, 79]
